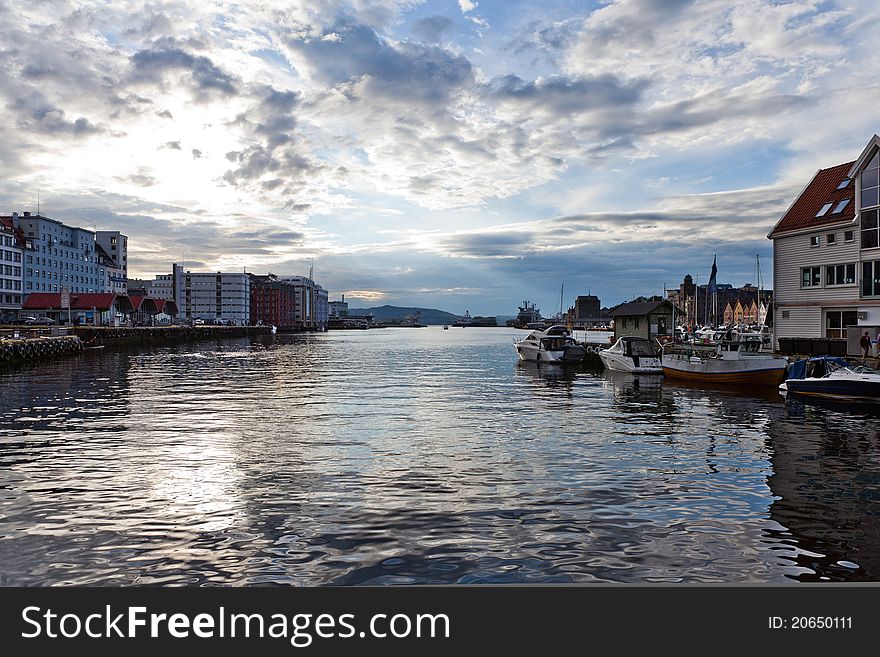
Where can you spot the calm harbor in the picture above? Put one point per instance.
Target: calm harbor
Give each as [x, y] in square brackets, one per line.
[418, 456]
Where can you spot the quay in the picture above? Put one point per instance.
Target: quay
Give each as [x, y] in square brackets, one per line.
[24, 345]
[109, 336]
[22, 349]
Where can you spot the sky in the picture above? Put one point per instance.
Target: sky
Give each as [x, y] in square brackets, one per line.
[462, 155]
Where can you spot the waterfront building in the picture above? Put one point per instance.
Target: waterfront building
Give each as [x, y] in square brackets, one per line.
[273, 301]
[58, 256]
[112, 249]
[311, 306]
[826, 254]
[322, 307]
[215, 296]
[644, 319]
[11, 271]
[101, 309]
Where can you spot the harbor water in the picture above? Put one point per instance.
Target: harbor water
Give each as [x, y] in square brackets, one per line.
[406, 456]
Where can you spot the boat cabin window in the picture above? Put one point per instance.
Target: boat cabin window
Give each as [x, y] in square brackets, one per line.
[553, 344]
[640, 348]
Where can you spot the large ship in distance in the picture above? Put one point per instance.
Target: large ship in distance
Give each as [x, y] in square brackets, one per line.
[466, 320]
[528, 314]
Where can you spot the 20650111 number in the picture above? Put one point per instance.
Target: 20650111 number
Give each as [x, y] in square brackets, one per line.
[810, 623]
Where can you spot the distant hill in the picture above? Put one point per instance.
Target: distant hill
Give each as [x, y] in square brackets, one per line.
[387, 313]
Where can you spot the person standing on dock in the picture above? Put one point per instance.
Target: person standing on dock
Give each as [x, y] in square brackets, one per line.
[865, 343]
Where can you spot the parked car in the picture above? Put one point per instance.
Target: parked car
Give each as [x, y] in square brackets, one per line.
[198, 322]
[39, 321]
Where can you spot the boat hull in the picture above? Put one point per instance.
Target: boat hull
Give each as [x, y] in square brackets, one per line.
[764, 372]
[533, 354]
[831, 389]
[621, 363]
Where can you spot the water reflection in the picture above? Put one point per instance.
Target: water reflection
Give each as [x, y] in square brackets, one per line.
[826, 476]
[417, 456]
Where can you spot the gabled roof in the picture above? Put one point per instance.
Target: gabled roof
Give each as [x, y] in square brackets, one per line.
[637, 308]
[859, 164]
[821, 189]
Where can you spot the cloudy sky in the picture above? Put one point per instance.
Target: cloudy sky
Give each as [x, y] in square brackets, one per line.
[449, 154]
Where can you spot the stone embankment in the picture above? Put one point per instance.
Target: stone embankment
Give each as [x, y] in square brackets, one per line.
[153, 335]
[29, 349]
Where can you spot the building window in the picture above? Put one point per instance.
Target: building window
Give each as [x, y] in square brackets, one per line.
[811, 276]
[848, 236]
[830, 238]
[870, 230]
[836, 322]
[871, 182]
[814, 240]
[871, 278]
[840, 274]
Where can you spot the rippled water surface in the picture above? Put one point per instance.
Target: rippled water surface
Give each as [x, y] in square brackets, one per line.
[418, 456]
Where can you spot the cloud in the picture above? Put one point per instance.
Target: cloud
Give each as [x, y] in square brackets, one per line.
[142, 178]
[432, 28]
[151, 66]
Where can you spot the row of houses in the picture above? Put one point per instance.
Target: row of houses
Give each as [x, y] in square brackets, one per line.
[292, 302]
[42, 255]
[49, 268]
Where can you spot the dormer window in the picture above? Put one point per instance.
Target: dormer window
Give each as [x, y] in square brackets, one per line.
[871, 182]
[840, 206]
[844, 183]
[824, 210]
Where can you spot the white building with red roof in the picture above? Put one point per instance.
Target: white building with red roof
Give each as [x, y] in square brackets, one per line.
[826, 253]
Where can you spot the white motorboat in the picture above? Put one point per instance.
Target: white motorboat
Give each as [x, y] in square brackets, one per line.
[551, 345]
[632, 354]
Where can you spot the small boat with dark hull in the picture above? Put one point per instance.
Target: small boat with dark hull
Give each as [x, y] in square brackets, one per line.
[832, 377]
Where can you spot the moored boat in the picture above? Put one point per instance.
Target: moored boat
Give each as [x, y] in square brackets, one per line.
[736, 359]
[632, 354]
[553, 345]
[832, 378]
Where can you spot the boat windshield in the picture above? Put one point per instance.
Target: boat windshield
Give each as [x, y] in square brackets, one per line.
[554, 344]
[641, 348]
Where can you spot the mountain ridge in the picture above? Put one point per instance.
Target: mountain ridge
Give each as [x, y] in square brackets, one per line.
[387, 312]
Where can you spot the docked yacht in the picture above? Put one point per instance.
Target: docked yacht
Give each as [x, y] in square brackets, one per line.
[832, 378]
[632, 354]
[551, 345]
[735, 358]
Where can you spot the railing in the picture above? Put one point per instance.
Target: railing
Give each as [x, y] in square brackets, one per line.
[27, 332]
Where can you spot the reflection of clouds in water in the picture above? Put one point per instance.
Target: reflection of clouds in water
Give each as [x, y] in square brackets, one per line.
[416, 456]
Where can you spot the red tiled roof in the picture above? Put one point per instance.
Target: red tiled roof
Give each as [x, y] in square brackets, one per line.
[166, 306]
[821, 190]
[136, 301]
[52, 301]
